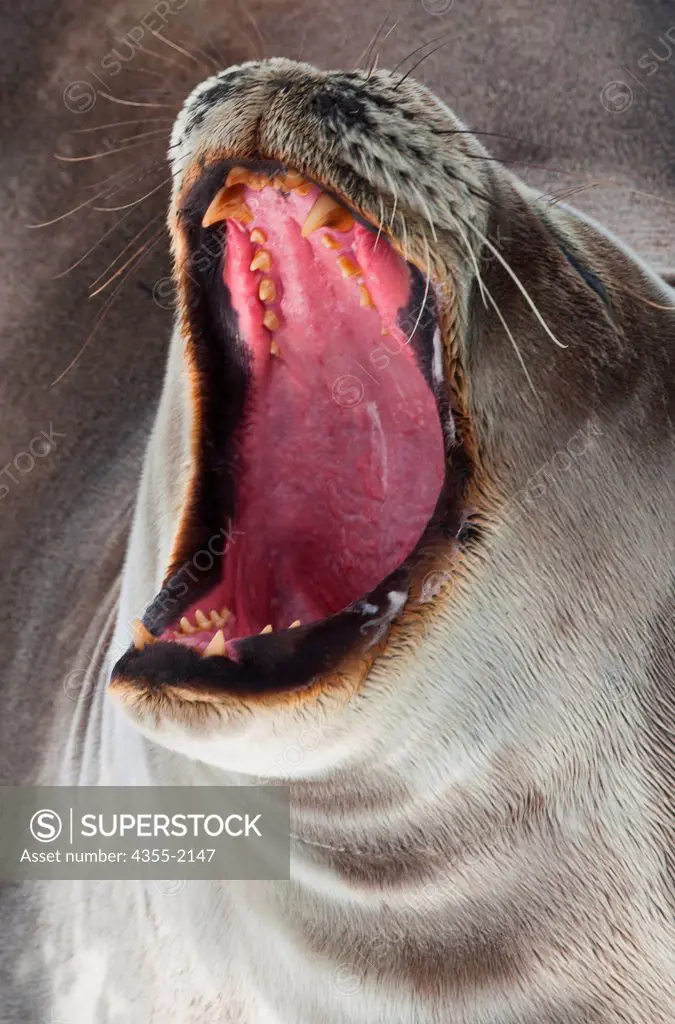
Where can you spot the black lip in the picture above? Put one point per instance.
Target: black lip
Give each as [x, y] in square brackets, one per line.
[289, 658]
[281, 661]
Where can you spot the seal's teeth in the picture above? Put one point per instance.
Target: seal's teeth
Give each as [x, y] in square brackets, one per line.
[267, 291]
[274, 349]
[326, 213]
[227, 202]
[348, 267]
[365, 298]
[305, 188]
[201, 619]
[295, 624]
[262, 260]
[267, 629]
[271, 320]
[142, 635]
[237, 176]
[258, 236]
[220, 620]
[292, 180]
[216, 645]
[187, 626]
[330, 242]
[242, 176]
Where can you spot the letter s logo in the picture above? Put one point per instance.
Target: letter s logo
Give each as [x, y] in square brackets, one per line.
[46, 826]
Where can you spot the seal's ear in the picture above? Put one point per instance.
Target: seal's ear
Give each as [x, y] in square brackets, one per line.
[568, 327]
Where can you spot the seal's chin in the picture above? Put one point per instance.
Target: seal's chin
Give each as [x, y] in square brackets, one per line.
[320, 464]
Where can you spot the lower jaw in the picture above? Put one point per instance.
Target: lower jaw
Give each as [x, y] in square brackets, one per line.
[322, 456]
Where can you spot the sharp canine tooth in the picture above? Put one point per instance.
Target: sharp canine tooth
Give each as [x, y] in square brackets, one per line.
[274, 349]
[142, 635]
[267, 629]
[201, 619]
[216, 645]
[267, 292]
[187, 626]
[326, 213]
[295, 624]
[258, 236]
[262, 260]
[348, 267]
[227, 202]
[271, 320]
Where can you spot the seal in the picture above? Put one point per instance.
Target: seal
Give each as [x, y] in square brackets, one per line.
[404, 539]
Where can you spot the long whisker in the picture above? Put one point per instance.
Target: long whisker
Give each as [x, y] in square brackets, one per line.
[120, 124]
[472, 255]
[125, 206]
[215, 63]
[381, 227]
[393, 213]
[144, 71]
[422, 305]
[425, 208]
[425, 56]
[404, 233]
[98, 156]
[647, 302]
[512, 340]
[179, 49]
[94, 246]
[137, 103]
[102, 314]
[392, 29]
[86, 202]
[514, 277]
[164, 59]
[131, 259]
[146, 135]
[302, 44]
[368, 51]
[220, 61]
[147, 167]
[560, 197]
[254, 24]
[412, 53]
[126, 248]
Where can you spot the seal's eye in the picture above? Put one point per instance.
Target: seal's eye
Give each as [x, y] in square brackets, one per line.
[322, 451]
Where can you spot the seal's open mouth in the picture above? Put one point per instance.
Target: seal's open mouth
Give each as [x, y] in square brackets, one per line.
[320, 465]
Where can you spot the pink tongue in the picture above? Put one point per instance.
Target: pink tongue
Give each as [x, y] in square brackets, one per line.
[342, 452]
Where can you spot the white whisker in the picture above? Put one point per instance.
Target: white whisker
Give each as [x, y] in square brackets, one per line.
[125, 206]
[119, 124]
[381, 227]
[513, 342]
[469, 249]
[514, 277]
[137, 103]
[422, 305]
